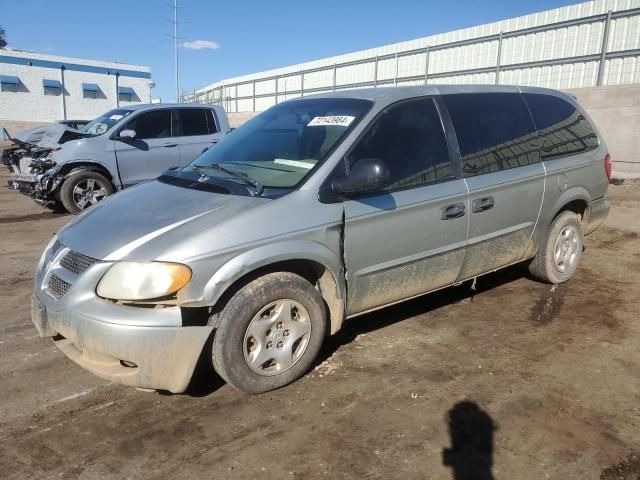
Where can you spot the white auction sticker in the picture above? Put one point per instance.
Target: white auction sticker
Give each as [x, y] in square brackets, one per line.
[115, 117]
[339, 120]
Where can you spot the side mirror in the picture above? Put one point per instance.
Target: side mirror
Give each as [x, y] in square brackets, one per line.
[367, 174]
[127, 134]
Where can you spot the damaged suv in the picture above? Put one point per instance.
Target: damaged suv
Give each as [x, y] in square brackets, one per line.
[63, 168]
[320, 209]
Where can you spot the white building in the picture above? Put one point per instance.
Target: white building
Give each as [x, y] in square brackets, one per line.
[37, 88]
[584, 45]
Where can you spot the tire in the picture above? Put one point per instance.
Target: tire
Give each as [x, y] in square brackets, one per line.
[259, 343]
[558, 258]
[83, 189]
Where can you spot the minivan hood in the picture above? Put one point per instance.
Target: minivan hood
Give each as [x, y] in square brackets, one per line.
[49, 136]
[119, 227]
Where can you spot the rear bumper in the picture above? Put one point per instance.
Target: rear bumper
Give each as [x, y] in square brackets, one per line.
[158, 357]
[598, 212]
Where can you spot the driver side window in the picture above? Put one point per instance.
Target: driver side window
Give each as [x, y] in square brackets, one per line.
[409, 138]
[150, 125]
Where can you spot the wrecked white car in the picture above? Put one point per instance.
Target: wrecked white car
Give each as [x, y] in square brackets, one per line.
[63, 168]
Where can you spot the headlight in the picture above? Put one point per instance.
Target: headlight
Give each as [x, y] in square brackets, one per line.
[143, 281]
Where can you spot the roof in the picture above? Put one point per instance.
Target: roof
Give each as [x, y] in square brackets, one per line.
[155, 106]
[398, 93]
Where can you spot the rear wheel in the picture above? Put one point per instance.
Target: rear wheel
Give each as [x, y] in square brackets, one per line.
[84, 189]
[559, 255]
[269, 333]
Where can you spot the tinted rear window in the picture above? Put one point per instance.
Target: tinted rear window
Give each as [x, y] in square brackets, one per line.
[495, 131]
[194, 121]
[563, 128]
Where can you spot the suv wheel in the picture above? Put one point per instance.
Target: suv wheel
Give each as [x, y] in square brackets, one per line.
[84, 189]
[558, 257]
[269, 333]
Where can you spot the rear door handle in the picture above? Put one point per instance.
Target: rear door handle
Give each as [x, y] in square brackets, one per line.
[482, 204]
[167, 145]
[452, 211]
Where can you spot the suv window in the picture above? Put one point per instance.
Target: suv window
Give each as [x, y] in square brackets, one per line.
[563, 128]
[495, 131]
[149, 125]
[410, 139]
[196, 121]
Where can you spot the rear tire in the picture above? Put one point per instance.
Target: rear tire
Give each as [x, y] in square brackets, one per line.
[84, 189]
[561, 250]
[269, 333]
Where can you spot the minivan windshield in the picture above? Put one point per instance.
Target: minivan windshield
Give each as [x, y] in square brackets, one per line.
[277, 148]
[104, 122]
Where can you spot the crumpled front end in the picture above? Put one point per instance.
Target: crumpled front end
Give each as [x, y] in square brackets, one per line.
[32, 172]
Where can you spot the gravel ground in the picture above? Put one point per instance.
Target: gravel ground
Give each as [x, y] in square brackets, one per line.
[515, 380]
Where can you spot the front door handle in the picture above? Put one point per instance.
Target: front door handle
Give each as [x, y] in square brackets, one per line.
[452, 211]
[482, 204]
[167, 145]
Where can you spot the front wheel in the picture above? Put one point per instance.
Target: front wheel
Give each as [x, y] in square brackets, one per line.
[269, 333]
[559, 255]
[84, 189]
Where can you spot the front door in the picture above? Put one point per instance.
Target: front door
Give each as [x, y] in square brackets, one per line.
[151, 152]
[408, 238]
[500, 156]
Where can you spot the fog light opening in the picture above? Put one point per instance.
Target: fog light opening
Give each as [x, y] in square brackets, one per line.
[128, 364]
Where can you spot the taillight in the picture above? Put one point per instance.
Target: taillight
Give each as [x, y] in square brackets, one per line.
[607, 165]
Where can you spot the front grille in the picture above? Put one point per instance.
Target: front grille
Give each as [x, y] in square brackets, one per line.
[57, 286]
[57, 245]
[76, 262]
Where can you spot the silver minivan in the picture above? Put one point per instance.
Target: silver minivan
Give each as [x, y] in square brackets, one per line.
[320, 209]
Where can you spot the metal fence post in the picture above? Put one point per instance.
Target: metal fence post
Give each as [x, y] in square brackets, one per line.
[117, 88]
[254, 95]
[375, 73]
[426, 65]
[603, 51]
[302, 83]
[395, 75]
[498, 58]
[236, 97]
[334, 77]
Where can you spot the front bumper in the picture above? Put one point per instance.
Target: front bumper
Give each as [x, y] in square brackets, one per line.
[141, 347]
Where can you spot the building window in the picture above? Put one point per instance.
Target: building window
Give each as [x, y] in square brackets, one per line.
[91, 90]
[127, 94]
[52, 87]
[9, 84]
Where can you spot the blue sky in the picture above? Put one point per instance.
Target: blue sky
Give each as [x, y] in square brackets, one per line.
[248, 36]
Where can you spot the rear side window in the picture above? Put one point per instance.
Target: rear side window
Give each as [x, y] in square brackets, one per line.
[196, 121]
[409, 138]
[154, 124]
[564, 130]
[495, 131]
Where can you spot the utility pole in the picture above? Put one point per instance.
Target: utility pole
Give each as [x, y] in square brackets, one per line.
[176, 38]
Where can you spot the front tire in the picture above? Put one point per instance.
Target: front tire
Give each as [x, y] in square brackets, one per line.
[561, 250]
[269, 333]
[83, 189]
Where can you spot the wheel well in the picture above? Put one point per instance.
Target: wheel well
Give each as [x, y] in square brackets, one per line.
[580, 207]
[70, 167]
[315, 273]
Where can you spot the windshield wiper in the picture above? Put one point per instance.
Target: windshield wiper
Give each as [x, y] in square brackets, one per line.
[240, 176]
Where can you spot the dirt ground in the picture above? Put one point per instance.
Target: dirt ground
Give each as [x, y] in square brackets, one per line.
[515, 380]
